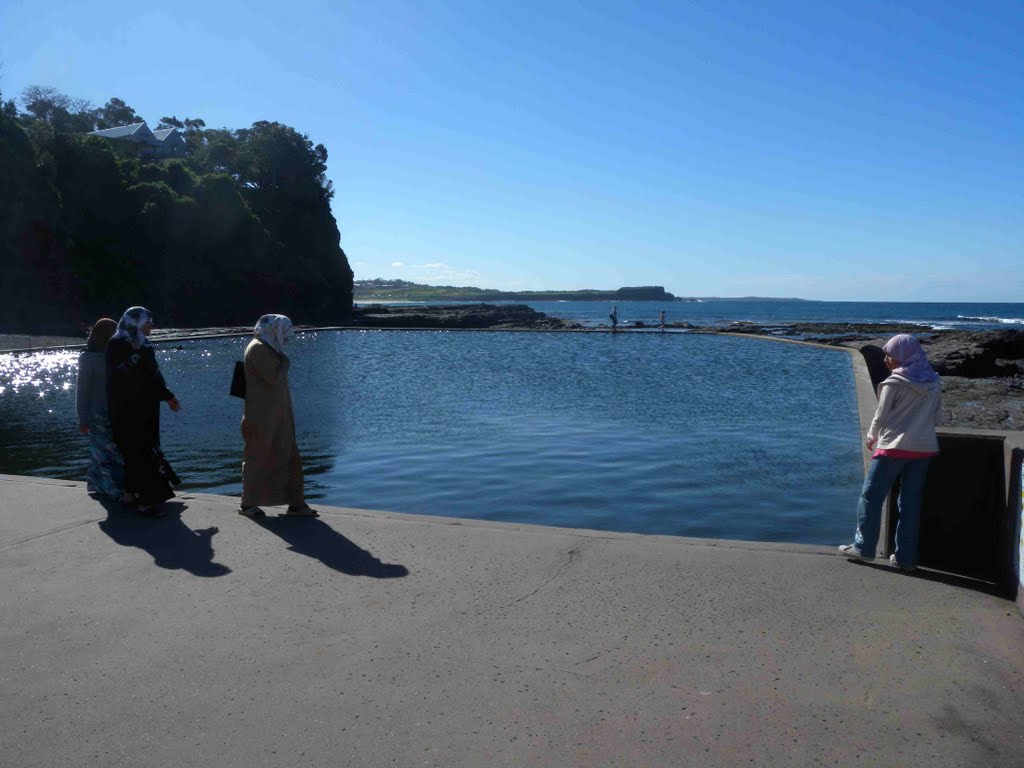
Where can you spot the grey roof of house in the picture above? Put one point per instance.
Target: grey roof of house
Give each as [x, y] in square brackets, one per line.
[163, 133]
[120, 132]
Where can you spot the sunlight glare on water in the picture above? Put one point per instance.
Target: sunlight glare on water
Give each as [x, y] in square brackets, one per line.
[678, 433]
[46, 371]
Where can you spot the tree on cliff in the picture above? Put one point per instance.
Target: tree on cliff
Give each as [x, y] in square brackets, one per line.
[57, 109]
[34, 271]
[114, 113]
[240, 227]
[191, 128]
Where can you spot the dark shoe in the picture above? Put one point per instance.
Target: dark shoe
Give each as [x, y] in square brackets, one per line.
[152, 510]
[304, 511]
[251, 512]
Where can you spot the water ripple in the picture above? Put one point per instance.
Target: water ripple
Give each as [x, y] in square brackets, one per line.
[676, 434]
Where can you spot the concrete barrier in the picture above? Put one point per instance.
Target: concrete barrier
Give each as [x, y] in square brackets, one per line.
[972, 521]
[1017, 519]
[970, 516]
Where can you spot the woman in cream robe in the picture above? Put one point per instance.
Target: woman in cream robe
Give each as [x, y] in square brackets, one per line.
[271, 465]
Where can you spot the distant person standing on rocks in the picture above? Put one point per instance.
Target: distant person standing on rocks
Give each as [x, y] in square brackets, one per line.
[135, 390]
[661, 320]
[106, 467]
[909, 407]
[614, 316]
[271, 465]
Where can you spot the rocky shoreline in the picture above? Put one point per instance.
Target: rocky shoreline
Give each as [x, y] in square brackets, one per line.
[982, 371]
[463, 316]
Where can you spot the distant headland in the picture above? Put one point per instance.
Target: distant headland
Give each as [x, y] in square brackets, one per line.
[380, 289]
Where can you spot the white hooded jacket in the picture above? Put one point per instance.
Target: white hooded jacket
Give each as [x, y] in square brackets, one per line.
[907, 415]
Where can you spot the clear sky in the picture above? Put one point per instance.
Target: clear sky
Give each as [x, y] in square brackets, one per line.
[831, 150]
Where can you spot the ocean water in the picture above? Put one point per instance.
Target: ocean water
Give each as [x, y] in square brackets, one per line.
[717, 312]
[675, 434]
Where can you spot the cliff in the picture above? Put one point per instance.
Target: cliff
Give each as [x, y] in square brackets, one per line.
[241, 225]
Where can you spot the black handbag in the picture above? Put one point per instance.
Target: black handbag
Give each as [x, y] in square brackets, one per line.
[165, 469]
[238, 381]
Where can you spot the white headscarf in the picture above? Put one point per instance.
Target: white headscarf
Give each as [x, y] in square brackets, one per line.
[130, 326]
[274, 331]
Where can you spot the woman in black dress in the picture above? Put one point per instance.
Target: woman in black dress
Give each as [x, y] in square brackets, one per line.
[135, 389]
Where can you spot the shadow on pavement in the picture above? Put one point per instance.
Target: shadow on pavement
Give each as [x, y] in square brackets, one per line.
[171, 543]
[312, 537]
[941, 577]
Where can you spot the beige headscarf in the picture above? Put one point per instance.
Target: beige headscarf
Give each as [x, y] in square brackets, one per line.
[274, 331]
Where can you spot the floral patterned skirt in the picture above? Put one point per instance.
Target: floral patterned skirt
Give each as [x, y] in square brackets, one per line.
[106, 467]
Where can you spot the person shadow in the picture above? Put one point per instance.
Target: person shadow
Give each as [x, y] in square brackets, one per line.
[314, 538]
[171, 543]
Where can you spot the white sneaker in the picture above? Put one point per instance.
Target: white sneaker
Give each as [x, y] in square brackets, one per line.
[895, 564]
[852, 551]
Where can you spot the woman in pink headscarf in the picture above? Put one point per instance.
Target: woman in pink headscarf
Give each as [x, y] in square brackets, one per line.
[902, 435]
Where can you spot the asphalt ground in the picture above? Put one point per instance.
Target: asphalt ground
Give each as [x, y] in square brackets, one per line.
[368, 638]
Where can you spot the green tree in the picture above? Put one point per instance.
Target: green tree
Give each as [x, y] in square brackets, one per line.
[116, 113]
[191, 130]
[62, 113]
[219, 152]
[36, 282]
[283, 177]
[194, 130]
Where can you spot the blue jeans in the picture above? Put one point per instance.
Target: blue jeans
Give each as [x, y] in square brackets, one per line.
[882, 473]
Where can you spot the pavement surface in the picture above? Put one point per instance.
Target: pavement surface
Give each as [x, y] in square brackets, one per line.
[375, 639]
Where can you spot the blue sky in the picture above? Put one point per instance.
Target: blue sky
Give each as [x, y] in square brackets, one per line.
[846, 151]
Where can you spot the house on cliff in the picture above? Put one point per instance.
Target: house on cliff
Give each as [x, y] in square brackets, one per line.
[166, 142]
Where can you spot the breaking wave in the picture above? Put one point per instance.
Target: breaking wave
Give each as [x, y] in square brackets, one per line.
[1000, 320]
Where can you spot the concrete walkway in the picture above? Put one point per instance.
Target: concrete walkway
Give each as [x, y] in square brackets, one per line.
[376, 639]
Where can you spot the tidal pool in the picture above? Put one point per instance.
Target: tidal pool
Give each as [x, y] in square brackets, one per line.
[681, 434]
